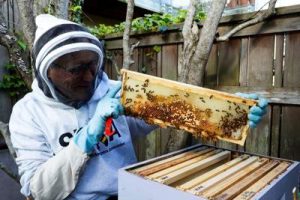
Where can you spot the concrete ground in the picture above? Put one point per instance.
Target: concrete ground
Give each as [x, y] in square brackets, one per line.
[9, 188]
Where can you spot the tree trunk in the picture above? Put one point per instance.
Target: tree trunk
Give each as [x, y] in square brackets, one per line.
[61, 8]
[195, 56]
[207, 36]
[127, 51]
[196, 52]
[27, 20]
[190, 33]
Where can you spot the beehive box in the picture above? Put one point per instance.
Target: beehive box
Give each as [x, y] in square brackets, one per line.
[206, 172]
[200, 111]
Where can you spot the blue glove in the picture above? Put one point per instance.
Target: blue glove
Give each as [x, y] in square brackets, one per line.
[108, 106]
[257, 111]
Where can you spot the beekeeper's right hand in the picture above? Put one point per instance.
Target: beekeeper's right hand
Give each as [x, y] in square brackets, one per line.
[108, 106]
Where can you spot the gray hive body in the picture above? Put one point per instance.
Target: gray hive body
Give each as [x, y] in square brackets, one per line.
[206, 172]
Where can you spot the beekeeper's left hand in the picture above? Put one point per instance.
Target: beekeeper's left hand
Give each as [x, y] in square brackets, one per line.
[257, 111]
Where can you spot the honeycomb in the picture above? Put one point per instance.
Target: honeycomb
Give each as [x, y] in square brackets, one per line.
[203, 112]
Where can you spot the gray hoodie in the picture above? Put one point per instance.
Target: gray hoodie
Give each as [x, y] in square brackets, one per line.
[51, 166]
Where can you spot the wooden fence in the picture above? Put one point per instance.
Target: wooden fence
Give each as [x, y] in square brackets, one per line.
[263, 58]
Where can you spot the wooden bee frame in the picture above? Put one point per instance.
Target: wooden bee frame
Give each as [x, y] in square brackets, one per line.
[206, 172]
[200, 111]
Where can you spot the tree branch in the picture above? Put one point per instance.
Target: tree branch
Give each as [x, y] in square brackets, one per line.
[127, 51]
[260, 17]
[111, 56]
[188, 22]
[205, 43]
[190, 33]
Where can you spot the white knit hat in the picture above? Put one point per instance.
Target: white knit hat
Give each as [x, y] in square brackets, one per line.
[44, 22]
[56, 37]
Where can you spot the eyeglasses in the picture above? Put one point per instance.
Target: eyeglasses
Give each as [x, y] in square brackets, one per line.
[78, 69]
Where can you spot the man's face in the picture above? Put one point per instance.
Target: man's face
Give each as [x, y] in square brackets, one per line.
[74, 74]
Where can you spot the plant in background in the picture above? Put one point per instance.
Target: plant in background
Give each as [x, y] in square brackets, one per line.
[102, 30]
[13, 83]
[148, 23]
[22, 44]
[50, 9]
[200, 12]
[157, 49]
[75, 11]
[151, 22]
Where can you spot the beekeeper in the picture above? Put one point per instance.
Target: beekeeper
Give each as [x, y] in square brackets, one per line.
[58, 128]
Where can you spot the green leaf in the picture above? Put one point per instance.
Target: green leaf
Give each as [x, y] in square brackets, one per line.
[157, 49]
[22, 45]
[9, 66]
[144, 69]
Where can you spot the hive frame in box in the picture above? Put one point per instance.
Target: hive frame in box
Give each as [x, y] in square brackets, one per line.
[135, 187]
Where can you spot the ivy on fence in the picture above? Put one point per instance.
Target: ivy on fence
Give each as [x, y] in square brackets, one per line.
[148, 23]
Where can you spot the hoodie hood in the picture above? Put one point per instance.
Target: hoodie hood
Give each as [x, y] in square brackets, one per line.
[57, 37]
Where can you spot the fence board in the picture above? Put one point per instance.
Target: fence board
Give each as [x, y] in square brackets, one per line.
[276, 110]
[228, 71]
[278, 62]
[292, 72]
[260, 73]
[258, 140]
[168, 71]
[275, 133]
[158, 133]
[243, 79]
[140, 142]
[290, 136]
[169, 62]
[135, 57]
[210, 79]
[148, 146]
[260, 68]
[108, 67]
[211, 69]
[229, 62]
[134, 67]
